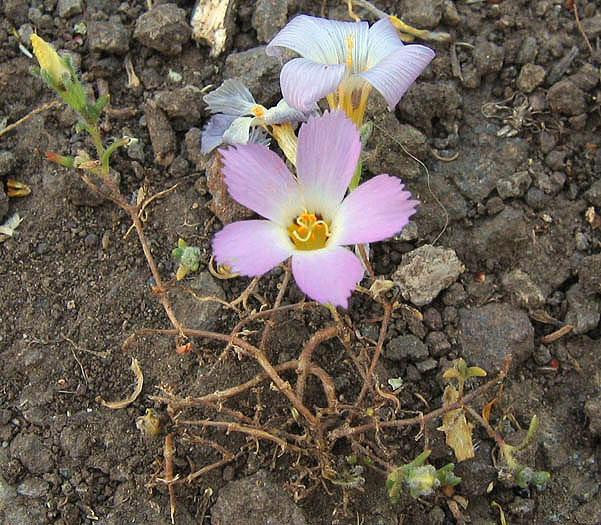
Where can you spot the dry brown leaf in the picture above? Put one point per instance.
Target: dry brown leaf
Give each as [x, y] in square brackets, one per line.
[457, 430]
[135, 368]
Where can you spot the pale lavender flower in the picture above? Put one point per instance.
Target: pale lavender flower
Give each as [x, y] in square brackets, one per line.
[308, 217]
[346, 57]
[238, 119]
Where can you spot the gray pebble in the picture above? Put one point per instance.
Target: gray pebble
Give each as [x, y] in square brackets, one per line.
[108, 37]
[163, 28]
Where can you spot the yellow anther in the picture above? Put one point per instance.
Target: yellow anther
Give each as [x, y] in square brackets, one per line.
[350, 43]
[258, 111]
[307, 232]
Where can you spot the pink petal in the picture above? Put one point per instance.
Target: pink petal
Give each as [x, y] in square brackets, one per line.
[258, 179]
[304, 82]
[376, 210]
[328, 275]
[327, 155]
[252, 248]
[393, 75]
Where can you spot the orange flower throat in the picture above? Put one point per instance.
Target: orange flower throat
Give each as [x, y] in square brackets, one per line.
[309, 232]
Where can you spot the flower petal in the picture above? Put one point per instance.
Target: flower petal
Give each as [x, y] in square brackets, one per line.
[383, 40]
[393, 75]
[328, 275]
[252, 248]
[258, 179]
[304, 82]
[231, 98]
[327, 155]
[376, 210]
[212, 133]
[239, 131]
[282, 112]
[320, 40]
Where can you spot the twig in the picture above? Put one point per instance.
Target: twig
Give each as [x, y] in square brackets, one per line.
[276, 304]
[48, 105]
[304, 360]
[168, 453]
[347, 431]
[580, 28]
[377, 352]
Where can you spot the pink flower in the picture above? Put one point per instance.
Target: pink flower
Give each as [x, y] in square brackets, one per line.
[308, 217]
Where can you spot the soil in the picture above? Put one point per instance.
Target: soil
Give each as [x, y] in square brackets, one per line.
[506, 120]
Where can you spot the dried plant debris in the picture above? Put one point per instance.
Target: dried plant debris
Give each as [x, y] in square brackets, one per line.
[212, 20]
[135, 368]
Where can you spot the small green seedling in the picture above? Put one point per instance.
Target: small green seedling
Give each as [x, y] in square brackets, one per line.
[188, 258]
[420, 478]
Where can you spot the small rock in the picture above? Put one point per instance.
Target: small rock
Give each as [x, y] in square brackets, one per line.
[491, 332]
[494, 205]
[69, 8]
[163, 28]
[406, 347]
[257, 71]
[182, 102]
[522, 507]
[33, 487]
[542, 355]
[592, 409]
[566, 98]
[427, 365]
[195, 314]
[269, 17]
[583, 310]
[515, 185]
[499, 235]
[7, 162]
[424, 15]
[3, 203]
[589, 274]
[592, 26]
[477, 183]
[90, 240]
[536, 198]
[108, 37]
[161, 133]
[31, 452]
[179, 167]
[385, 158]
[432, 318]
[551, 184]
[450, 15]
[253, 500]
[593, 194]
[589, 513]
[192, 142]
[455, 295]
[222, 205]
[438, 343]
[426, 271]
[444, 99]
[488, 57]
[587, 77]
[531, 76]
[528, 51]
[522, 290]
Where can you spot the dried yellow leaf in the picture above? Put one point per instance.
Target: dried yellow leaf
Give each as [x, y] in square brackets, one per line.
[458, 431]
[135, 368]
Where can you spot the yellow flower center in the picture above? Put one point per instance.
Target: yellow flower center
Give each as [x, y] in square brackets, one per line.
[258, 111]
[309, 232]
